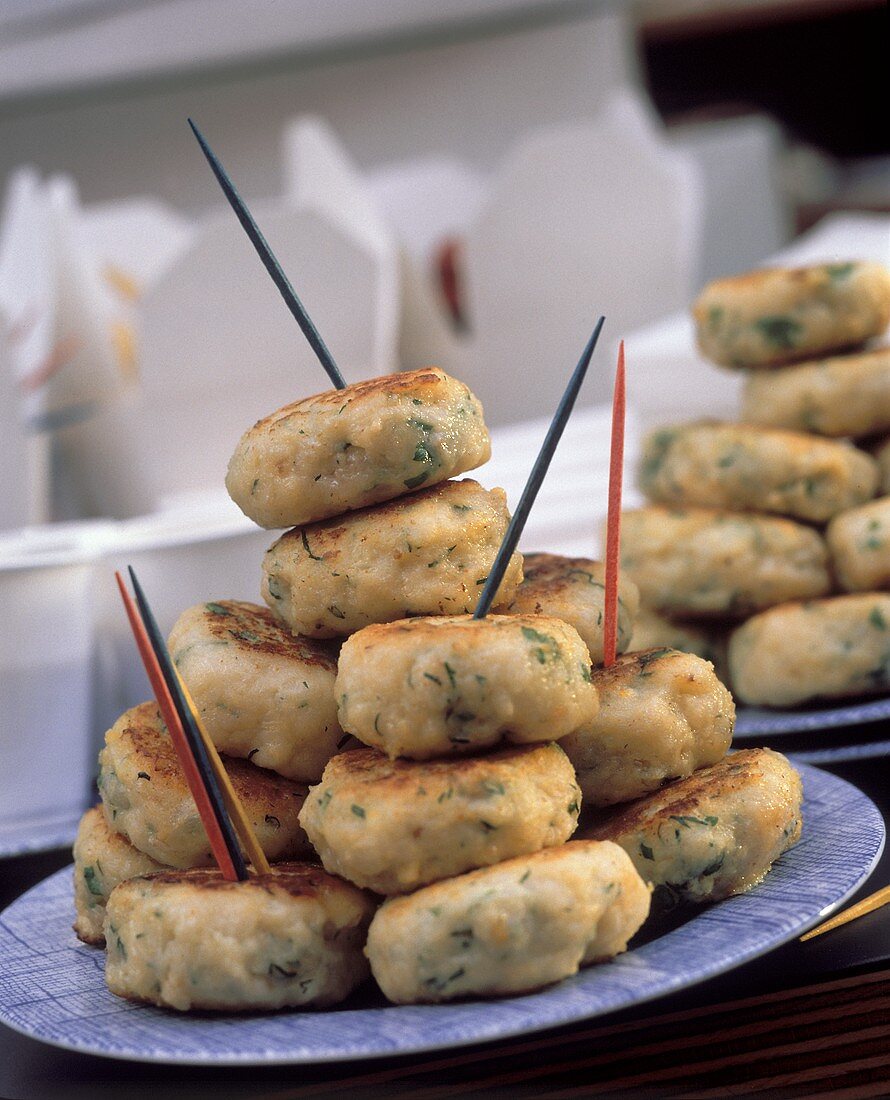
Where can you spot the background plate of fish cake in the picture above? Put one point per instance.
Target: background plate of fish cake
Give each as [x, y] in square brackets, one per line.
[52, 986]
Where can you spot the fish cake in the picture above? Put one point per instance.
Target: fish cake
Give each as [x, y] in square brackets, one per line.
[394, 825]
[773, 316]
[822, 649]
[511, 928]
[261, 692]
[707, 563]
[662, 715]
[713, 834]
[574, 590]
[146, 797]
[740, 467]
[859, 541]
[443, 686]
[848, 395]
[193, 940]
[427, 554]
[654, 631]
[102, 860]
[346, 449]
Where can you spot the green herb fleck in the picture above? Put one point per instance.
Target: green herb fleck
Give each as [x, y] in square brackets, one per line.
[876, 618]
[781, 332]
[92, 881]
[646, 851]
[217, 609]
[416, 482]
[304, 539]
[358, 810]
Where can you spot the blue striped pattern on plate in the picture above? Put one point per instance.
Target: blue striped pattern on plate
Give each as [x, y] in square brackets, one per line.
[52, 987]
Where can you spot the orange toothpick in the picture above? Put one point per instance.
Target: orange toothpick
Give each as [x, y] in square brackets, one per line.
[177, 735]
[613, 523]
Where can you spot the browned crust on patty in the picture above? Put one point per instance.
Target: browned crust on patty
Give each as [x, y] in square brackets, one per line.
[683, 797]
[426, 378]
[372, 769]
[257, 629]
[324, 538]
[296, 880]
[151, 743]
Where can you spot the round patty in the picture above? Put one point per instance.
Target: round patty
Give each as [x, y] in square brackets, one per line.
[774, 316]
[192, 940]
[704, 563]
[714, 834]
[662, 715]
[859, 541]
[823, 649]
[427, 554]
[435, 687]
[102, 860]
[573, 589]
[511, 928]
[741, 467]
[848, 395]
[262, 693]
[394, 825]
[146, 797]
[350, 448]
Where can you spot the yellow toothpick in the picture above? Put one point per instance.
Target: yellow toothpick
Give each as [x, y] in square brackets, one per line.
[244, 829]
[867, 905]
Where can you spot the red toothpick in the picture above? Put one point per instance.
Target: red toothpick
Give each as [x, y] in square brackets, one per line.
[613, 526]
[177, 735]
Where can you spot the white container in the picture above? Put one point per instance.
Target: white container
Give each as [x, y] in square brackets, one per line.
[47, 650]
[200, 549]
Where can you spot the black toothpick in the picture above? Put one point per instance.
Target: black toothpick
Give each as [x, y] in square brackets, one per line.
[196, 744]
[536, 477]
[270, 263]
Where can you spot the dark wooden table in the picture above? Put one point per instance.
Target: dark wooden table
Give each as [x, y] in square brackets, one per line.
[807, 1020]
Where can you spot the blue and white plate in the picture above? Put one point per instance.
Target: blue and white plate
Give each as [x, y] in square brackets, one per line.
[761, 721]
[52, 987]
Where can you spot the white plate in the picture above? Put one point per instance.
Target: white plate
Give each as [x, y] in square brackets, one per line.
[52, 987]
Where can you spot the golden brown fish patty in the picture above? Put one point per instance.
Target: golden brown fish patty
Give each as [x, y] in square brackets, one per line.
[426, 554]
[146, 797]
[394, 825]
[740, 467]
[709, 563]
[848, 395]
[193, 940]
[351, 448]
[662, 715]
[574, 590]
[443, 686]
[261, 692]
[102, 860]
[714, 833]
[821, 649]
[774, 316]
[511, 928]
[859, 541]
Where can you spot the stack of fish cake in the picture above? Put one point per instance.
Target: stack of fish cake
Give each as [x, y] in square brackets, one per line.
[755, 528]
[263, 688]
[478, 741]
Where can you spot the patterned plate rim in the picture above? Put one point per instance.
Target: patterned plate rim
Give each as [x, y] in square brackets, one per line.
[757, 721]
[791, 899]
